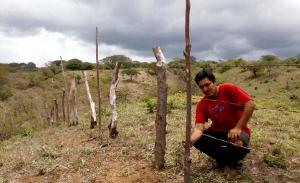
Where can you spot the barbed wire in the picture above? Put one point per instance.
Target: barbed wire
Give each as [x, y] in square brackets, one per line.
[263, 65]
[243, 105]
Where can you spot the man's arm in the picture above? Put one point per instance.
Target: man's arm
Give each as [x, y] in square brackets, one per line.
[197, 133]
[234, 133]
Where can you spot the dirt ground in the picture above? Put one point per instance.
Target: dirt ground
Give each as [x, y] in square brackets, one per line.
[75, 154]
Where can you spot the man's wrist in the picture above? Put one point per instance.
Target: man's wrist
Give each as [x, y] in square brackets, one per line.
[239, 126]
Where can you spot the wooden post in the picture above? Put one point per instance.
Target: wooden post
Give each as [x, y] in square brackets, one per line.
[64, 92]
[92, 104]
[98, 86]
[187, 160]
[113, 133]
[47, 113]
[72, 103]
[63, 104]
[161, 113]
[54, 112]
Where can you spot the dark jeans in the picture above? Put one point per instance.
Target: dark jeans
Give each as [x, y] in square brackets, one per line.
[220, 151]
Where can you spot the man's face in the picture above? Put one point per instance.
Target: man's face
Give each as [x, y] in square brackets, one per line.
[208, 87]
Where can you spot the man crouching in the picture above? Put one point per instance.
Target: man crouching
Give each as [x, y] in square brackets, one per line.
[229, 108]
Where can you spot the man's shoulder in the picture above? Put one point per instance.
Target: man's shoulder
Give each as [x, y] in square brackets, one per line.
[227, 85]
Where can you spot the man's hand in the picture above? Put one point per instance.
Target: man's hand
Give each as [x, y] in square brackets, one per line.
[196, 135]
[234, 134]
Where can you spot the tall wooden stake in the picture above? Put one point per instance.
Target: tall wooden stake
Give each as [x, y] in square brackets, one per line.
[64, 92]
[73, 104]
[161, 114]
[98, 86]
[54, 112]
[187, 160]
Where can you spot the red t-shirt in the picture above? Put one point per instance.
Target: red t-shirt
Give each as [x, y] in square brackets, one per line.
[224, 110]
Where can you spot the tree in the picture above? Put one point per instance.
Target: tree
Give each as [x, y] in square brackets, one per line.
[110, 62]
[290, 61]
[131, 72]
[268, 61]
[74, 64]
[268, 58]
[87, 66]
[254, 67]
[30, 67]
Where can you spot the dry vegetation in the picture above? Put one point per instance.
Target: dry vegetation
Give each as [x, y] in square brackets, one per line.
[75, 154]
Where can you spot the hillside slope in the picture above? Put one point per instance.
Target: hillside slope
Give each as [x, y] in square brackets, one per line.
[75, 154]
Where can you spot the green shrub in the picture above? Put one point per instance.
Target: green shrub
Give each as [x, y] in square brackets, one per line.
[26, 131]
[47, 73]
[87, 66]
[276, 159]
[5, 93]
[293, 97]
[74, 64]
[171, 105]
[34, 81]
[130, 72]
[150, 104]
[224, 68]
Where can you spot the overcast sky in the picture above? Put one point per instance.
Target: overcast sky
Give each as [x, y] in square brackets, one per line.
[43, 30]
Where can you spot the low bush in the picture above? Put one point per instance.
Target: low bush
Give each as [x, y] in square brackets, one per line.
[293, 97]
[150, 104]
[5, 93]
[276, 158]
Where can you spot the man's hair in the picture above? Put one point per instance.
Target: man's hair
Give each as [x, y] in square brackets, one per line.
[205, 73]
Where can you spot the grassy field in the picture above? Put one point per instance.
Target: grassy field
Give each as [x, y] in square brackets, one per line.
[75, 154]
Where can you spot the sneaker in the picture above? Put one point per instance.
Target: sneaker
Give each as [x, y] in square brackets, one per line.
[218, 165]
[237, 166]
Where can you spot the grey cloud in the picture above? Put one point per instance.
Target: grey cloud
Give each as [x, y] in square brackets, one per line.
[222, 28]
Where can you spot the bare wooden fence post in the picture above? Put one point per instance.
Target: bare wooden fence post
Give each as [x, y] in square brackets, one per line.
[72, 104]
[92, 104]
[47, 113]
[64, 92]
[187, 160]
[161, 113]
[98, 86]
[54, 112]
[113, 133]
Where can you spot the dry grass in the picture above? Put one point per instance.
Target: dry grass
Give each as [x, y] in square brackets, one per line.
[75, 154]
[62, 154]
